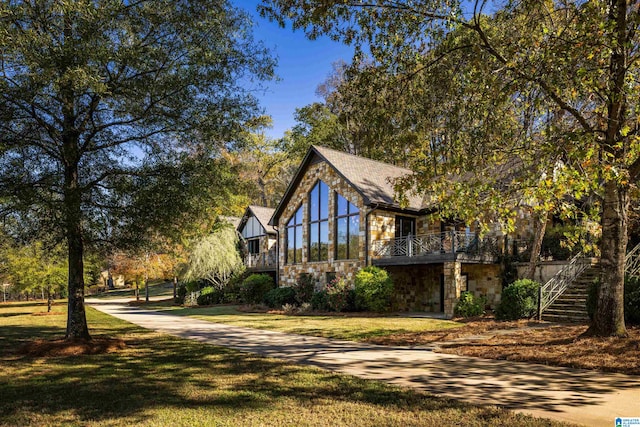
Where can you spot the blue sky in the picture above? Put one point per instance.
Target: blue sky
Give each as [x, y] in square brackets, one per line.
[302, 65]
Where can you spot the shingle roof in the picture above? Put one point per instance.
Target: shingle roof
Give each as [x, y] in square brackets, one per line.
[371, 178]
[263, 215]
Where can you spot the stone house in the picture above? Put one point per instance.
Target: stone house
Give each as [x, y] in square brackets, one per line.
[339, 214]
[258, 240]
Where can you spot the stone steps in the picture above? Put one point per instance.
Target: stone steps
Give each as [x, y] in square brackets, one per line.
[571, 306]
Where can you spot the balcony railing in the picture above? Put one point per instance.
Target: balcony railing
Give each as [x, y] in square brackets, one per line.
[263, 260]
[448, 242]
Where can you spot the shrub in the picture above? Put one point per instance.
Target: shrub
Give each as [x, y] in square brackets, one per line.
[469, 305]
[278, 297]
[210, 295]
[320, 301]
[631, 300]
[519, 300]
[373, 289]
[338, 294]
[255, 287]
[304, 288]
[181, 294]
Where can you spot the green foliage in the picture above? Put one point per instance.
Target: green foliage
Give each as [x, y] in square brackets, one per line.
[519, 300]
[373, 289]
[110, 124]
[304, 288]
[469, 305]
[277, 297]
[320, 301]
[255, 287]
[631, 299]
[181, 294]
[338, 291]
[214, 258]
[210, 295]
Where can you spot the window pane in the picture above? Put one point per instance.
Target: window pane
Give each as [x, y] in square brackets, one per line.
[298, 243]
[298, 216]
[314, 242]
[353, 209]
[354, 236]
[324, 240]
[290, 245]
[324, 200]
[314, 198]
[341, 238]
[342, 205]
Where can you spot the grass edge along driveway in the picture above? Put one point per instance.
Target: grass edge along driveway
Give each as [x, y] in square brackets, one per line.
[161, 380]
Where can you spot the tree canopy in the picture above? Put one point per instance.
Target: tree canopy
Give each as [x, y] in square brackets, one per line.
[110, 108]
[571, 64]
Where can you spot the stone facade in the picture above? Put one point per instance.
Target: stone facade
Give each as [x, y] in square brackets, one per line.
[432, 287]
[289, 273]
[417, 287]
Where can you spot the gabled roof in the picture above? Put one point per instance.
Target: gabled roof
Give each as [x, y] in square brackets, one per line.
[371, 178]
[262, 214]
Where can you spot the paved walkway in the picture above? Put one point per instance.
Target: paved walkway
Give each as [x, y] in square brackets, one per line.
[579, 396]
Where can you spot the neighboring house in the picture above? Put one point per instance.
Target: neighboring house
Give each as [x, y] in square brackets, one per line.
[259, 239]
[339, 214]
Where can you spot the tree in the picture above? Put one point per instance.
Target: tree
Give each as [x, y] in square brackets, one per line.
[97, 98]
[215, 258]
[580, 57]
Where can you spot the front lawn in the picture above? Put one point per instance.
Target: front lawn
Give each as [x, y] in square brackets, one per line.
[157, 380]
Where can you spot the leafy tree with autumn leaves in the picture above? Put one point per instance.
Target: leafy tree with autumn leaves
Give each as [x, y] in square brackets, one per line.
[579, 58]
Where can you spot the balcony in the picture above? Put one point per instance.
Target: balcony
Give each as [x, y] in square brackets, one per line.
[436, 248]
[261, 262]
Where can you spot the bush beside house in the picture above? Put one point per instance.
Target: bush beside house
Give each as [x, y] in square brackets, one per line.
[255, 287]
[373, 289]
[519, 300]
[469, 305]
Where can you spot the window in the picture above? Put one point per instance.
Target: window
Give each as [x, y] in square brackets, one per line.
[253, 246]
[347, 229]
[294, 238]
[319, 222]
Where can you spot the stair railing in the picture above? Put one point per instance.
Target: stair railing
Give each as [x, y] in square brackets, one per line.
[559, 283]
[632, 262]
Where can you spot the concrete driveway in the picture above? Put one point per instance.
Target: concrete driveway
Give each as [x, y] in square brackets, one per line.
[578, 396]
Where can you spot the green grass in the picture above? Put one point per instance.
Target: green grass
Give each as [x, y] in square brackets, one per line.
[339, 327]
[159, 380]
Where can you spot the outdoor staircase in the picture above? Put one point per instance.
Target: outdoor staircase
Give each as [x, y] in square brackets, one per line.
[571, 305]
[564, 297]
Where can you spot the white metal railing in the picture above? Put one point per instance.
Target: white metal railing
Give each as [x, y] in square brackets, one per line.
[559, 283]
[436, 243]
[260, 260]
[632, 262]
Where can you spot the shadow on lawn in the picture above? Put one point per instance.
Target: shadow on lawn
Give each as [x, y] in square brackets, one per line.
[164, 372]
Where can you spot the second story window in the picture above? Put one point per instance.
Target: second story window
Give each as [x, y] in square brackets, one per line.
[347, 229]
[319, 222]
[253, 246]
[294, 238]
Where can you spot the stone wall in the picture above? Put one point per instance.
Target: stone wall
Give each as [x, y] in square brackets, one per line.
[484, 280]
[289, 273]
[417, 287]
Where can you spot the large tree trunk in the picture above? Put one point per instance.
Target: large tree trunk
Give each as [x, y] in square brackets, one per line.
[76, 317]
[609, 316]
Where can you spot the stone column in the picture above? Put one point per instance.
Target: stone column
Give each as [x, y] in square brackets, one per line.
[452, 286]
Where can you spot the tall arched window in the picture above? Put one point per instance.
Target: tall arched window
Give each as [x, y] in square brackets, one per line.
[319, 222]
[347, 229]
[294, 238]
